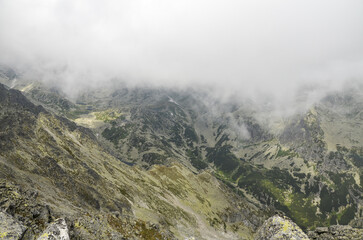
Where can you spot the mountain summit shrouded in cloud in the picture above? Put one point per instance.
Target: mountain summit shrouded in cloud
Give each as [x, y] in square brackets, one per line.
[238, 47]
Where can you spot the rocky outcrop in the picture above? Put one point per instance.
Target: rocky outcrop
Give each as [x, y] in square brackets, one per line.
[57, 230]
[10, 228]
[23, 206]
[336, 232]
[280, 227]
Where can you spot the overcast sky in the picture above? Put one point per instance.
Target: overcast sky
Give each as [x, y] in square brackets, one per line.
[246, 47]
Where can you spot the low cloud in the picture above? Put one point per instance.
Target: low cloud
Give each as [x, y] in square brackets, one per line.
[272, 50]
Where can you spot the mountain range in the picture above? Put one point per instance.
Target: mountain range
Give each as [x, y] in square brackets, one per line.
[156, 163]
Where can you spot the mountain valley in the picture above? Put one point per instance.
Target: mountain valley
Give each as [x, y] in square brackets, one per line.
[148, 163]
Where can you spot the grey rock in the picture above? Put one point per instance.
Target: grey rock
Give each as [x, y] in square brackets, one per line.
[280, 227]
[336, 232]
[10, 228]
[57, 230]
[321, 230]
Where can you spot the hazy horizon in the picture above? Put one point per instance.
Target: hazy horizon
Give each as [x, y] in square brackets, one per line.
[254, 49]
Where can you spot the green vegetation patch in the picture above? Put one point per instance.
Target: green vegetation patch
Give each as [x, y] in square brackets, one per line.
[223, 158]
[357, 157]
[190, 134]
[338, 195]
[283, 190]
[153, 158]
[108, 115]
[347, 215]
[74, 114]
[286, 153]
[279, 188]
[196, 159]
[139, 228]
[115, 134]
[275, 186]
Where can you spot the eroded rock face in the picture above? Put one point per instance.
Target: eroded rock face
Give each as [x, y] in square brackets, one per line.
[280, 227]
[57, 230]
[10, 228]
[336, 232]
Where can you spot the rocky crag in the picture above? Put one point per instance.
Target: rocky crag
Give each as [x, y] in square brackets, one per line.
[280, 227]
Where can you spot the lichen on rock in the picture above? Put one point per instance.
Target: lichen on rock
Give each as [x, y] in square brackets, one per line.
[57, 230]
[280, 227]
[10, 228]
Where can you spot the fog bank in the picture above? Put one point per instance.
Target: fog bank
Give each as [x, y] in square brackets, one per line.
[259, 49]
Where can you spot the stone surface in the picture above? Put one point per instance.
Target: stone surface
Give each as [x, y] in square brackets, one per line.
[280, 227]
[57, 230]
[10, 228]
[336, 232]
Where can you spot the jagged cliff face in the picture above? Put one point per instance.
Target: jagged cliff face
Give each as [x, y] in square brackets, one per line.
[168, 158]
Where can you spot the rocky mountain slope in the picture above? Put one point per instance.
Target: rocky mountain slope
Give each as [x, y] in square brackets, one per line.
[52, 166]
[179, 164]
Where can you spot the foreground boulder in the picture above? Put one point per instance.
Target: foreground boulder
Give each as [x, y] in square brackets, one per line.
[57, 230]
[10, 228]
[280, 227]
